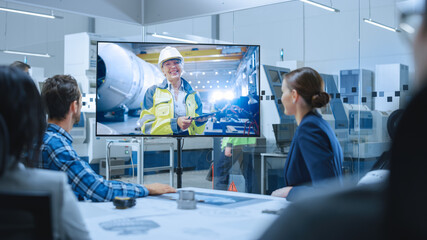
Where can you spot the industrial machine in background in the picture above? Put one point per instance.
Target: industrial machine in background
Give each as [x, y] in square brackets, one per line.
[391, 87]
[359, 129]
[356, 87]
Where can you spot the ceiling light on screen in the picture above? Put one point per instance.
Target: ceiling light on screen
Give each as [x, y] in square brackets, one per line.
[216, 73]
[229, 95]
[215, 96]
[208, 81]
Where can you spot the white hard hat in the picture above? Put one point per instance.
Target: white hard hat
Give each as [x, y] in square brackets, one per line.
[168, 53]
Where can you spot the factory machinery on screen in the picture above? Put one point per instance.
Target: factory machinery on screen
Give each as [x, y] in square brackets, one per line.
[114, 75]
[224, 79]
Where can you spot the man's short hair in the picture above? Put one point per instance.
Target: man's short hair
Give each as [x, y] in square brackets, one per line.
[22, 110]
[20, 65]
[58, 93]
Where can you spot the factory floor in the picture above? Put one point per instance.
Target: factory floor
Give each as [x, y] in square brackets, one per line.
[189, 179]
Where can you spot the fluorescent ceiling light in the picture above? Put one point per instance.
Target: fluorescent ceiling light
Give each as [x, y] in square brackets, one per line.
[370, 21]
[407, 28]
[320, 5]
[27, 53]
[29, 13]
[172, 38]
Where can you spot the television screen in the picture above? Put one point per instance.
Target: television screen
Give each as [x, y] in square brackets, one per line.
[171, 89]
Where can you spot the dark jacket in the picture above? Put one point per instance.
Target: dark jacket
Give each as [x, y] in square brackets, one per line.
[315, 155]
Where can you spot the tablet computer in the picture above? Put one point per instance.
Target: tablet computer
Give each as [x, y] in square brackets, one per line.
[203, 116]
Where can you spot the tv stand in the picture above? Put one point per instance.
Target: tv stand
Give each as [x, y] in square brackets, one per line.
[179, 163]
[140, 146]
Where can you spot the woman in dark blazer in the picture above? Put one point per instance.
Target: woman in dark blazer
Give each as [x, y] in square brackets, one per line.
[315, 153]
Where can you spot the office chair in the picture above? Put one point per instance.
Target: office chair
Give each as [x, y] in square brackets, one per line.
[383, 161]
[23, 215]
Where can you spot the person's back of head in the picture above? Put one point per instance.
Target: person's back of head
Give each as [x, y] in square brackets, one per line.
[309, 85]
[58, 93]
[21, 65]
[24, 115]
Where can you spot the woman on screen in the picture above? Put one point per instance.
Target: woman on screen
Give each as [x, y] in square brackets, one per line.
[315, 153]
[169, 108]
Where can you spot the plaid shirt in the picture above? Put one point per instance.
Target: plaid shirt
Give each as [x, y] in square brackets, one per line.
[58, 154]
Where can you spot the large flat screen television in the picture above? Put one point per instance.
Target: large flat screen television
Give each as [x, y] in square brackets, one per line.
[176, 89]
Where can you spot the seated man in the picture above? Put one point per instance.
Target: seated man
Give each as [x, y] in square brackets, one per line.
[63, 103]
[22, 124]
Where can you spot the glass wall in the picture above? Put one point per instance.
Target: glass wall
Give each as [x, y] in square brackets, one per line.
[387, 56]
[368, 72]
[292, 35]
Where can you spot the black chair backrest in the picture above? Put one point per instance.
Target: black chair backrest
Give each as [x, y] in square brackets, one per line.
[25, 215]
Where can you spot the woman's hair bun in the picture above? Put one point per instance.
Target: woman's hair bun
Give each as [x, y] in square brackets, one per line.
[320, 100]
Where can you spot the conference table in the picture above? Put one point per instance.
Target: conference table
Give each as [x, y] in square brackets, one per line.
[218, 215]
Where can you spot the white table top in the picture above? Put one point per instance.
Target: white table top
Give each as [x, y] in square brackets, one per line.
[224, 215]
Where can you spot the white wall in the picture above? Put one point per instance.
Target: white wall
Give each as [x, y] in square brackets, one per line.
[34, 34]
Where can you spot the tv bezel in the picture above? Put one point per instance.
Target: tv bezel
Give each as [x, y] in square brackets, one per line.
[180, 136]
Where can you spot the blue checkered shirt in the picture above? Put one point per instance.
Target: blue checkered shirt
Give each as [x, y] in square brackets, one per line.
[58, 154]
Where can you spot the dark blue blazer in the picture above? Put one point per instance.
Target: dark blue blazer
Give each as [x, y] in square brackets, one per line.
[315, 155]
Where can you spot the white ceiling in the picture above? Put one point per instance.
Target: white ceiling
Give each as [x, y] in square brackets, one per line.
[147, 12]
